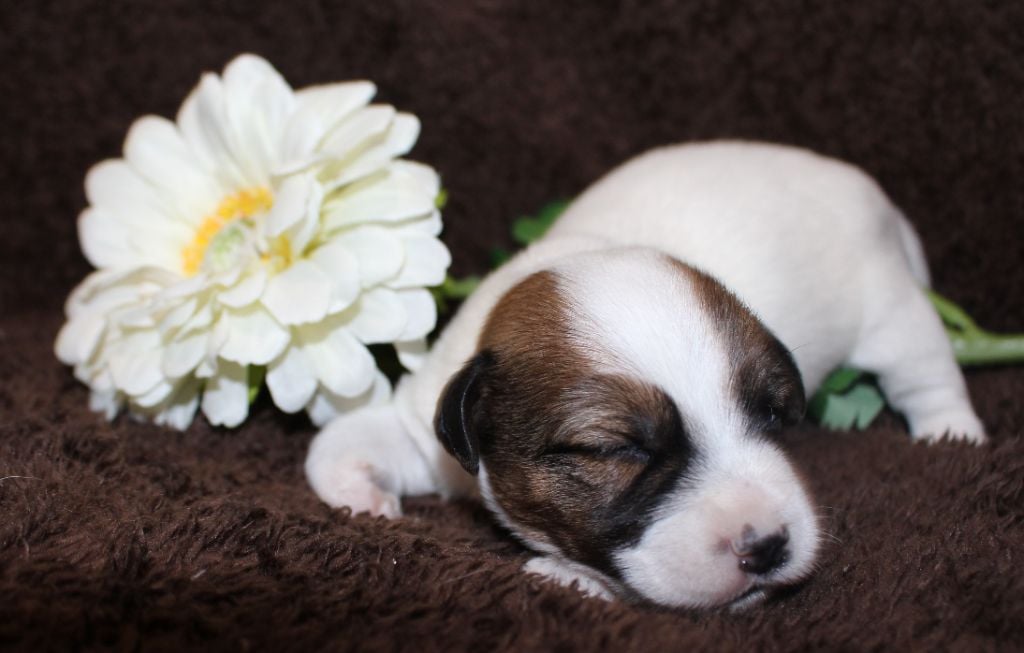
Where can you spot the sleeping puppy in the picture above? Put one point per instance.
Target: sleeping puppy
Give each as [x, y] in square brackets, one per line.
[614, 392]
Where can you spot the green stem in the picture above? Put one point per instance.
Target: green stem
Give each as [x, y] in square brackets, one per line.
[977, 347]
[972, 344]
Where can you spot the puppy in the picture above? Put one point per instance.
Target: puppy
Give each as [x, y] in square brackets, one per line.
[614, 392]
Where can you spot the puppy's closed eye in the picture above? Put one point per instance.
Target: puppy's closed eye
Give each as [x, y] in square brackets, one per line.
[622, 450]
[610, 470]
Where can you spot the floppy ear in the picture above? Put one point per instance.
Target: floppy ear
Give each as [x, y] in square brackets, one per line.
[453, 421]
[789, 386]
[770, 386]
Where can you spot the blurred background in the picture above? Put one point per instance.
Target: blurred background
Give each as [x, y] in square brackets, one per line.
[523, 102]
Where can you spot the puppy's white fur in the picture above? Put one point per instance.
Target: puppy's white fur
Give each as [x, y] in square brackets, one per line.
[815, 250]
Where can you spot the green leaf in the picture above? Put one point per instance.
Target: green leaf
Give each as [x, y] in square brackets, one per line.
[838, 414]
[255, 374]
[453, 288]
[499, 257]
[841, 379]
[869, 402]
[528, 229]
[838, 382]
[442, 198]
[856, 408]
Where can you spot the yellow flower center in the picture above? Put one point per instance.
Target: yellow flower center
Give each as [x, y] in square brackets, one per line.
[279, 254]
[240, 206]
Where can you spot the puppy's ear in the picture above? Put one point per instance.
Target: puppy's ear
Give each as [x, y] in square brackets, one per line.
[770, 388]
[789, 386]
[453, 421]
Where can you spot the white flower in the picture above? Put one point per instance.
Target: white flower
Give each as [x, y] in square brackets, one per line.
[264, 228]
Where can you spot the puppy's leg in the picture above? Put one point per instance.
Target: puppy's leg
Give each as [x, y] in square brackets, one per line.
[366, 460]
[566, 573]
[906, 346]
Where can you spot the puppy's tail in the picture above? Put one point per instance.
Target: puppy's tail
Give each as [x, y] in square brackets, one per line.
[914, 252]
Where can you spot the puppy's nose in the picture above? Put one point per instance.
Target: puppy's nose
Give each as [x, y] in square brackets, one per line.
[760, 555]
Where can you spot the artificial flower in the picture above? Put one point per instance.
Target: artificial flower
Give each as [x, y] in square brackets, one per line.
[265, 230]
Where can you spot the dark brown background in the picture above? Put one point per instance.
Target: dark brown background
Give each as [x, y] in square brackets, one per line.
[130, 536]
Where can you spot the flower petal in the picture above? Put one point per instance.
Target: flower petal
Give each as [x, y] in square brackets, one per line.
[342, 269]
[412, 353]
[155, 149]
[103, 291]
[245, 291]
[180, 288]
[379, 252]
[400, 138]
[389, 197]
[291, 380]
[380, 316]
[78, 338]
[252, 336]
[118, 188]
[108, 242]
[203, 121]
[97, 377]
[331, 103]
[357, 130]
[159, 393]
[299, 294]
[421, 174]
[429, 225]
[426, 262]
[258, 102]
[290, 205]
[342, 364]
[182, 355]
[132, 219]
[326, 405]
[179, 410]
[301, 233]
[173, 317]
[318, 111]
[226, 397]
[202, 319]
[106, 402]
[104, 240]
[421, 310]
[135, 362]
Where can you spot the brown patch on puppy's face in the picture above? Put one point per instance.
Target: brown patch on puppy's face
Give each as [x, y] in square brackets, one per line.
[575, 458]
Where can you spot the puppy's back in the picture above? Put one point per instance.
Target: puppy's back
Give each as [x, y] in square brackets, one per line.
[773, 223]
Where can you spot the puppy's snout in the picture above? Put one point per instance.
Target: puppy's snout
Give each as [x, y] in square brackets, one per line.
[761, 555]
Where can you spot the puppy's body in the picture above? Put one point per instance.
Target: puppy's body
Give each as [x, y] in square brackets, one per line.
[618, 402]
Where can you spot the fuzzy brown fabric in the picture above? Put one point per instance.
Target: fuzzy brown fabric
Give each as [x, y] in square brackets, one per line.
[133, 537]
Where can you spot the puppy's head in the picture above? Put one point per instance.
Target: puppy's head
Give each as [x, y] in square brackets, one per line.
[621, 413]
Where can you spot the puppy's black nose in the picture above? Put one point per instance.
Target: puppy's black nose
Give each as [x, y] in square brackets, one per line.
[760, 556]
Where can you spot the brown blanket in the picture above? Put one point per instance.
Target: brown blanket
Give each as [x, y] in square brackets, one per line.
[133, 537]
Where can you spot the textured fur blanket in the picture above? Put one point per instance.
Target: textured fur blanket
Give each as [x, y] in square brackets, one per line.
[125, 535]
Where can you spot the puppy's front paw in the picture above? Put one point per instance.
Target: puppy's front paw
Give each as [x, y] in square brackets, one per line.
[353, 483]
[565, 573]
[953, 426]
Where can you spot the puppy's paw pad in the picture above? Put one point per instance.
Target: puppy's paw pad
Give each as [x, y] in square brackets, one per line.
[566, 574]
[352, 484]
